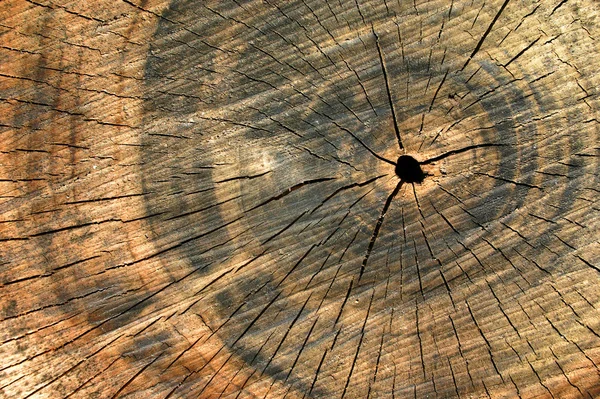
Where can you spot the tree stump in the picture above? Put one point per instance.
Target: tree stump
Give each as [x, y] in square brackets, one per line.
[294, 199]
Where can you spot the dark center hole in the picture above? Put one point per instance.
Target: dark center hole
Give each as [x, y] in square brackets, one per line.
[409, 170]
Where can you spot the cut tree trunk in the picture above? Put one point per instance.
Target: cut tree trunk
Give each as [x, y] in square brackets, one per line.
[205, 199]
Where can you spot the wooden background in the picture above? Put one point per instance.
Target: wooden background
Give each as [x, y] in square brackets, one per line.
[198, 199]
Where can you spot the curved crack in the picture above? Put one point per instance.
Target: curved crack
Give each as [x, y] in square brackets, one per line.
[460, 150]
[364, 145]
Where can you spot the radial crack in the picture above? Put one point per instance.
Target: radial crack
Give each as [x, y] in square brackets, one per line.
[387, 88]
[364, 145]
[460, 150]
[487, 32]
[378, 227]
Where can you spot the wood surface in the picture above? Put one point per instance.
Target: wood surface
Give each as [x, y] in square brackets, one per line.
[198, 199]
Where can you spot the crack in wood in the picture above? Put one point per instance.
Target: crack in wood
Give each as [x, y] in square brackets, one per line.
[378, 227]
[486, 33]
[388, 90]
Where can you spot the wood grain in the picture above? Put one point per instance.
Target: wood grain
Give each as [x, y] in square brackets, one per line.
[199, 199]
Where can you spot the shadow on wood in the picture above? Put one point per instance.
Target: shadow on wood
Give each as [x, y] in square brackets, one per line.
[216, 199]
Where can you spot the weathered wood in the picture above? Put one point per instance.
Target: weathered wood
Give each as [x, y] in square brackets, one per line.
[199, 199]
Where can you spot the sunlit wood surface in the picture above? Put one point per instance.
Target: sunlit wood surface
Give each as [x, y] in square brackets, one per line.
[198, 199]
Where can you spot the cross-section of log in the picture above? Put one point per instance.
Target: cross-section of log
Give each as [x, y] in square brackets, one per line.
[299, 199]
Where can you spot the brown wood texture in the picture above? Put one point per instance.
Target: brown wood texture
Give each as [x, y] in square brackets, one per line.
[198, 199]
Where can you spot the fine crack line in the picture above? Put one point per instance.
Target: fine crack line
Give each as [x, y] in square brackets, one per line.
[290, 190]
[520, 53]
[438, 90]
[487, 32]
